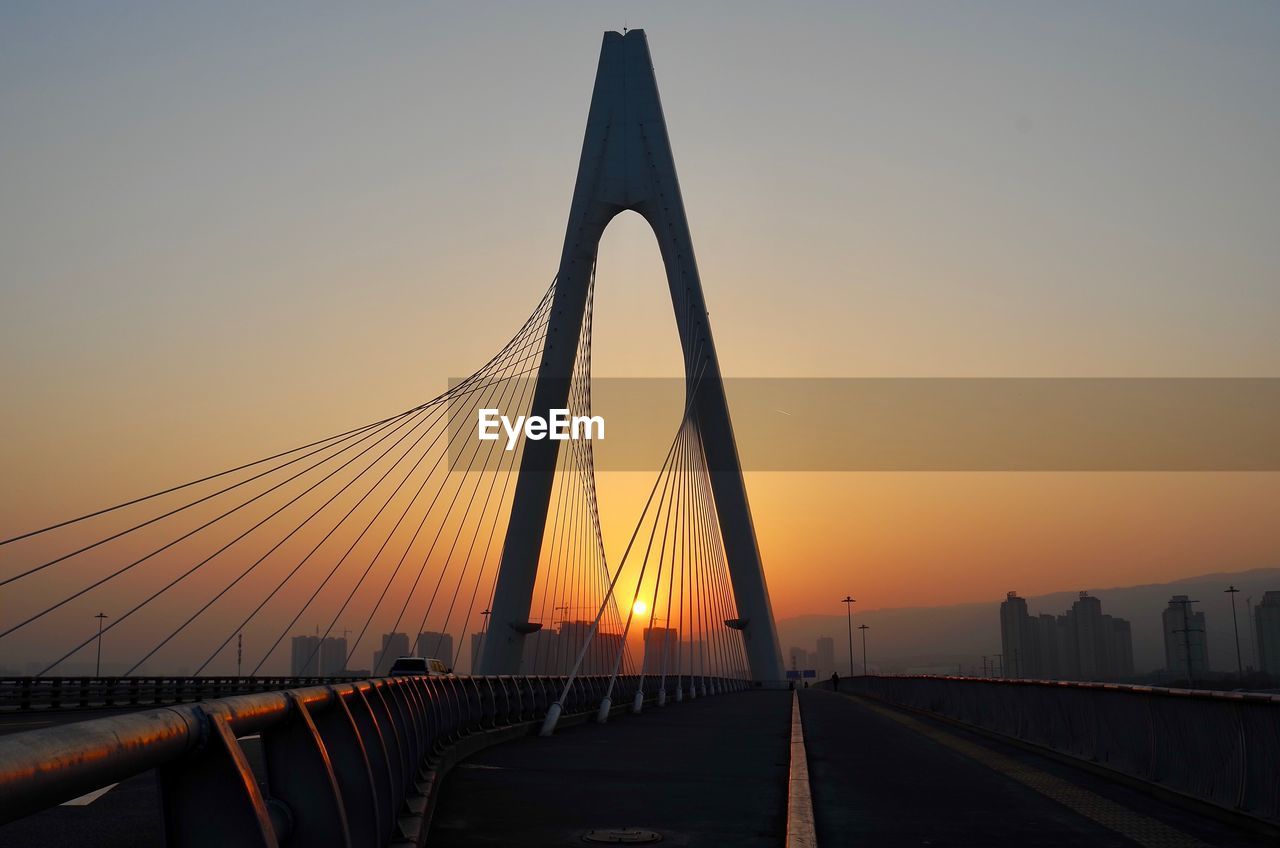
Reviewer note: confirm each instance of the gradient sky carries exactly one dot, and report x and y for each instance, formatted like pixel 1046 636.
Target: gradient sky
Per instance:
pixel 226 230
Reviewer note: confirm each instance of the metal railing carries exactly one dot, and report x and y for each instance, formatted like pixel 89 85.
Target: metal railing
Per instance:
pixel 344 762
pixel 1218 747
pixel 41 693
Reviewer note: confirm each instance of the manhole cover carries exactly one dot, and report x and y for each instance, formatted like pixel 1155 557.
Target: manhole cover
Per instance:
pixel 622 836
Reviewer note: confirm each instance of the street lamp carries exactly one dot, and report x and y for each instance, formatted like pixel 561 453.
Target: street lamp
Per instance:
pixel 97 671
pixel 1232 590
pixel 864 628
pixel 848 605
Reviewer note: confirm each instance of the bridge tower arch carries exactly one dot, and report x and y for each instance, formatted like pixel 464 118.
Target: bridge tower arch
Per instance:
pixel 627 164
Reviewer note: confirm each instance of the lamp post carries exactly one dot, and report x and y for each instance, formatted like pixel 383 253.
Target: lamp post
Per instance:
pixel 864 628
pixel 239 653
pixel 97 671
pixel 1232 590
pixel 848 605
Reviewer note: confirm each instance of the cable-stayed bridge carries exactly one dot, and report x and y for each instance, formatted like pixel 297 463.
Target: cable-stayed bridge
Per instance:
pixel 410 530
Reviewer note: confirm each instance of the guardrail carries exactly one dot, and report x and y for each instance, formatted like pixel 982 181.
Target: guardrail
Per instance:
pixel 1218 747
pixel 42 693
pixel 345 763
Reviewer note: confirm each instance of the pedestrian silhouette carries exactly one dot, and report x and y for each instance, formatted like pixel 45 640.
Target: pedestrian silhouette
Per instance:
pixel 835 681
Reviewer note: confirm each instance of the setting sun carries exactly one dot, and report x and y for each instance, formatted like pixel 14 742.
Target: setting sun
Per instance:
pixel 639 607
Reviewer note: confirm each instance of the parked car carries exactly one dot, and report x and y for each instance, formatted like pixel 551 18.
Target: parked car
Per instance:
pixel 418 666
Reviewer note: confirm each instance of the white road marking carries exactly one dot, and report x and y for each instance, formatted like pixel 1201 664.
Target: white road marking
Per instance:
pixel 86 800
pixel 800 832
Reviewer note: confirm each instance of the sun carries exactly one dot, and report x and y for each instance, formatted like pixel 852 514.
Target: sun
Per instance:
pixel 639 607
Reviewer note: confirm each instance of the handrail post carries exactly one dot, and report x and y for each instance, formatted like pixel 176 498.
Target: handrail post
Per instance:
pixel 217 777
pixel 300 773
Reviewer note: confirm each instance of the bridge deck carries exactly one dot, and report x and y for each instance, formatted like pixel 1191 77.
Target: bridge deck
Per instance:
pixel 885 777
pixel 715 772
pixel 708 772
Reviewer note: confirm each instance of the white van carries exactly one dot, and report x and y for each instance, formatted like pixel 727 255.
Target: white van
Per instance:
pixel 418 666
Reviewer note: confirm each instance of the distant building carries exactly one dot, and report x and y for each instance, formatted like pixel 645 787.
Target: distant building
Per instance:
pixel 1081 644
pixel 1122 639
pixel 1186 651
pixel 1017 636
pixel 604 651
pixel 542 654
pixel 660 647
pixel 437 645
pixel 477 644
pixel 1266 620
pixel 824 658
pixel 394 646
pixel 1048 662
pixel 555 651
pixel 305 657
pixel 573 636
pixel 333 656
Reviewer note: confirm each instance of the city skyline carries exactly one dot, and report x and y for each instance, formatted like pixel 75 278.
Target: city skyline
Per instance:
pixel 892 633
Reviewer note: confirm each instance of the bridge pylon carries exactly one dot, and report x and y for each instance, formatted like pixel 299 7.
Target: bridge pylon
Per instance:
pixel 627 164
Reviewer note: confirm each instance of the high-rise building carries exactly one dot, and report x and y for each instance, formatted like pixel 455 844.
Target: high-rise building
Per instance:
pixel 333 656
pixel 601 649
pixel 1122 639
pixel 542 653
pixel 1048 658
pixel 394 646
pixel 1090 633
pixel 437 645
pixel 825 656
pixel 660 647
pixel 1081 644
pixel 477 642
pixel 1186 651
pixel 602 655
pixel 1266 621
pixel 573 636
pixel 305 657
pixel 1016 635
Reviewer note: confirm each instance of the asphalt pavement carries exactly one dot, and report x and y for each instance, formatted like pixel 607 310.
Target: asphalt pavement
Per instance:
pixel 710 772
pixel 715 772
pixel 885 777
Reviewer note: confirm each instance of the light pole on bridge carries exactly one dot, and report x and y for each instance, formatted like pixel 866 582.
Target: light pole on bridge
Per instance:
pixel 864 628
pixel 1235 626
pixel 97 670
pixel 848 602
